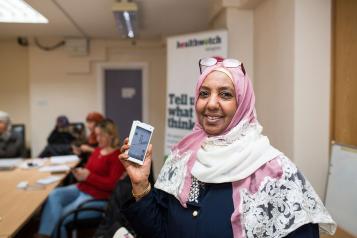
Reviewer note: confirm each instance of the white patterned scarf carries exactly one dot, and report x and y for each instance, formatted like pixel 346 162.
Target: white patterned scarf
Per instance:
pixel 232 158
pixel 235 156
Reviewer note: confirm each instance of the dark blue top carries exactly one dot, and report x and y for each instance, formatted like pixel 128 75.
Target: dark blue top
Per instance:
pixel 160 214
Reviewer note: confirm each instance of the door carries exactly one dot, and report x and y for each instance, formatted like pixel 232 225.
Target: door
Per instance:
pixel 123 98
pixel 344 95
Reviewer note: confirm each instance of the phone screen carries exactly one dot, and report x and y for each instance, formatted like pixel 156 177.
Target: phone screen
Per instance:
pixel 139 143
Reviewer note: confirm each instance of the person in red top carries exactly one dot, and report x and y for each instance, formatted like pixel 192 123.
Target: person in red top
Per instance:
pixel 96 180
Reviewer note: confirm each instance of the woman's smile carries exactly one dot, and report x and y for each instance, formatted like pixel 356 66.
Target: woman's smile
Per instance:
pixel 212 119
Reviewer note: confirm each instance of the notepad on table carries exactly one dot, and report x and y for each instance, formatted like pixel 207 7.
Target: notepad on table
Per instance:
pixel 55 168
pixel 8 164
pixel 48 180
pixel 64 159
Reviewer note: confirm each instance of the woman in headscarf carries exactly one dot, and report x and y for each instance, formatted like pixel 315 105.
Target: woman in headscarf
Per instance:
pixel 60 140
pixel 224 179
pixel 10 142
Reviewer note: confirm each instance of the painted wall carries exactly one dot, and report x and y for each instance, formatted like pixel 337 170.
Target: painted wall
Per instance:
pixel 274 69
pixel 240 37
pixel 292 53
pixel 40 85
pixel 239 24
pixel 312 89
pixel 14 83
pixel 61 84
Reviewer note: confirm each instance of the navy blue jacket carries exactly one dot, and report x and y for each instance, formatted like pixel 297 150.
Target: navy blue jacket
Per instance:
pixel 160 214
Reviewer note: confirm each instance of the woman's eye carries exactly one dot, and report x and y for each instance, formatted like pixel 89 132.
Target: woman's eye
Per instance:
pixel 203 94
pixel 226 95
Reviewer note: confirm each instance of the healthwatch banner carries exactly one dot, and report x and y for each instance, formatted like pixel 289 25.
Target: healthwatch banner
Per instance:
pixel 183 55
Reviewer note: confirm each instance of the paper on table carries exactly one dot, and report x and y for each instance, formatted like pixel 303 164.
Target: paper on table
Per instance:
pixel 49 180
pixel 55 168
pixel 9 163
pixel 32 163
pixel 64 159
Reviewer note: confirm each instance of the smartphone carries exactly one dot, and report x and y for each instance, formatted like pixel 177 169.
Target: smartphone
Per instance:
pixel 139 140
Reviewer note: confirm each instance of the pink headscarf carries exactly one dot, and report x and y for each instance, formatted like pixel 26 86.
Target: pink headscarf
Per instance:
pixel 246 110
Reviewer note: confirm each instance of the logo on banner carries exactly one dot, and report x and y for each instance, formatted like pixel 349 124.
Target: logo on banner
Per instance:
pixel 199 42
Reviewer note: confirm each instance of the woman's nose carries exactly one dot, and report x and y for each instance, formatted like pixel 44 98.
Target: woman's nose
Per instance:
pixel 212 102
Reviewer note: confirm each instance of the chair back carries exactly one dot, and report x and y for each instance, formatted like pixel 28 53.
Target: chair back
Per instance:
pixel 78 130
pixel 20 130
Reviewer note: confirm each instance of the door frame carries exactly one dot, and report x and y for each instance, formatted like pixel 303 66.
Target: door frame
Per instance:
pixel 102 67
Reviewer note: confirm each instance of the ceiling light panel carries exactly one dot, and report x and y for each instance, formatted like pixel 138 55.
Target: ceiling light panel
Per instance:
pixel 18 11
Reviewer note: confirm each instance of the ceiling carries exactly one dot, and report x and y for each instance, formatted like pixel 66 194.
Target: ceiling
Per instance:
pixel 94 19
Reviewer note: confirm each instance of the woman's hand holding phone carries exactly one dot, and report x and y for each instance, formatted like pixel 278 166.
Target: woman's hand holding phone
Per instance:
pixel 138 174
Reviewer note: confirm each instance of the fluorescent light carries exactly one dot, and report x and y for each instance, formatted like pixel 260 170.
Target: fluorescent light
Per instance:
pixel 128 24
pixel 18 11
pixel 131 34
pixel 125 14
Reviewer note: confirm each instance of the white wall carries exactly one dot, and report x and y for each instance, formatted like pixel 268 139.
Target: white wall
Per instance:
pixel 240 37
pixel 312 82
pixel 239 24
pixel 14 83
pixel 37 85
pixel 274 67
pixel 60 84
pixel 292 45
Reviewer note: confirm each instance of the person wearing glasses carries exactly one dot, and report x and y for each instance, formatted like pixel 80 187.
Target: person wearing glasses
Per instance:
pixel 224 179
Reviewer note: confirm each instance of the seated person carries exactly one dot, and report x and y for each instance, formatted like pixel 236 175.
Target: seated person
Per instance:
pixel 85 149
pixel 10 142
pixel 97 180
pixel 60 139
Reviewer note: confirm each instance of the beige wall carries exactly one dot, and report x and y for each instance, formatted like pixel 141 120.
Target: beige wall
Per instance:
pixel 292 53
pixel 312 82
pixel 240 37
pixel 274 69
pixel 14 82
pixel 40 85
pixel 239 24
pixel 61 84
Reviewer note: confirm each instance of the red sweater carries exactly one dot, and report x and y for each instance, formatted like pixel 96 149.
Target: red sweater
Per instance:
pixel 105 171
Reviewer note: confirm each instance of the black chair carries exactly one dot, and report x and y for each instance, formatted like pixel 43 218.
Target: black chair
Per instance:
pixel 20 130
pixel 109 217
pixel 87 215
pixel 114 218
pixel 78 130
